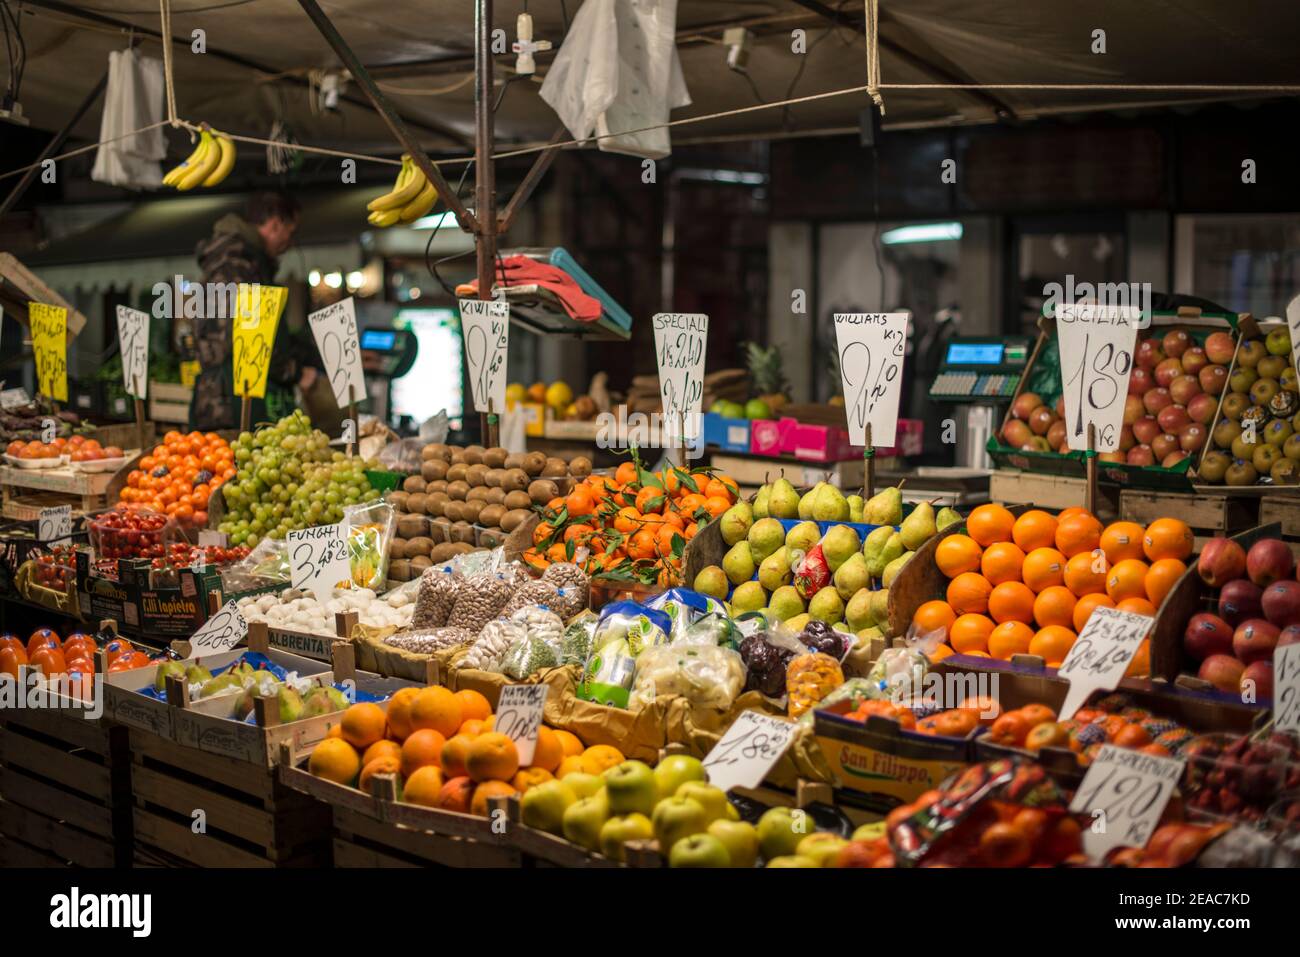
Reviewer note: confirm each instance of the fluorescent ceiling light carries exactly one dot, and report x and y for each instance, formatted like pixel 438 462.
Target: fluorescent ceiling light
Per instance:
pixel 334 280
pixel 926 233
pixel 313 277
pixel 437 221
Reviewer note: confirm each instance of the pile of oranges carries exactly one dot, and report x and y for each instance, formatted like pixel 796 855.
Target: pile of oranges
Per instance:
pixel 1027 585
pixel 634 524
pixel 178 476
pixel 441 747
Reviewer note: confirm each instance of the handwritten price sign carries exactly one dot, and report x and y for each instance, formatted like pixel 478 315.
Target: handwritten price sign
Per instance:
pixel 1096 347
pixel 318 559
pixel 1286 688
pixel 133 340
pixel 335 331
pixel 1123 794
pixel 257 314
pixel 54 524
pixel 221 632
pixel 519 716
pixel 1101 654
pixel 485 326
pixel 1293 323
pixel 49 326
pixel 872 346
pixel 748 751
pixel 680 341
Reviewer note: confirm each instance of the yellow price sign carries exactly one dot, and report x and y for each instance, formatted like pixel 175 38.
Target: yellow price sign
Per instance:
pixel 190 373
pixel 257 314
pixel 49 326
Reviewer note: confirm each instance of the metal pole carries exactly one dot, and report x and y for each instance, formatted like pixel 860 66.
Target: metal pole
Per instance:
pixel 485 204
pixel 53 146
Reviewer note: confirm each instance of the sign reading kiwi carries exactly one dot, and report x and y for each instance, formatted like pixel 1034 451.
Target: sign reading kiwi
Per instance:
pixel 485 328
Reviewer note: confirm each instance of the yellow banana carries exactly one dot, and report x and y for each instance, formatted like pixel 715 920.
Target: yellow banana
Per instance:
pixel 421 205
pixel 225 163
pixel 178 171
pixel 403 191
pixel 383 217
pixel 207 163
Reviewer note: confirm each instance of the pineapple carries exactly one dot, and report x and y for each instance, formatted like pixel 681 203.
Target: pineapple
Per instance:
pixel 766 375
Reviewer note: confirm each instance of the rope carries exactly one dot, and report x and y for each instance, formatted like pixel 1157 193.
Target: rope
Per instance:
pixel 467 79
pixel 258 141
pixel 873 54
pixel 80 150
pixel 166 25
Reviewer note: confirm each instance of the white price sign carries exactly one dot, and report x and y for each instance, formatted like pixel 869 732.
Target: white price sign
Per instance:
pixel 871 347
pixel 335 331
pixel 1123 795
pixel 14 399
pixel 1096 346
pixel 680 342
pixel 1286 688
pixel 519 716
pixel 485 327
pixel 1101 654
pixel 748 751
pixel 221 632
pixel 133 340
pixel 318 559
pixel 54 524
pixel 1293 323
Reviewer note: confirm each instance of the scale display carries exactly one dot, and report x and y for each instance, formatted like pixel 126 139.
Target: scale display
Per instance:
pixel 981 369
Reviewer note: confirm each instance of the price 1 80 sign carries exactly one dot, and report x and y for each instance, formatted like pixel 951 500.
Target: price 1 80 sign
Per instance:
pixel 1096 351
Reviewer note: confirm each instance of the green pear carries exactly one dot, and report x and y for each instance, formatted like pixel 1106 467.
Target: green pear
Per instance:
pixel 830 506
pixel 735 522
pixel 748 597
pixel 244 706
pixel 807 499
pixel 826 606
pixel 290 705
pixel 947 516
pixel 858 611
pixel 169 669
pixel 220 684
pixel 764 538
pixel 798 622
pixel 884 508
pixel 738 563
pixel 892 548
pixel 711 581
pixel 783 500
pixel 855 508
pixel 893 568
pixel 759 507
pixel 918 526
pixel 786 603
pixel 774 571
pixel 874 543
pixel 803 536
pixel 852 576
pixel 197 674
pixel 880 607
pixel 867 635
pixel 838 544
pixel 323 700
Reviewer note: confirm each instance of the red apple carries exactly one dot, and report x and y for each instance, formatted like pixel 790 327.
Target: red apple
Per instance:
pixel 1207 635
pixel 1172 418
pixel 1126 438
pixel 1191 437
pixel 1056 434
pixel 1184 388
pixel 1202 407
pixel 1219 347
pixel 1015 433
pixel 1133 409
pixel 1025 404
pixel 1140 455
pixel 1157 399
pixel 1268 560
pixel 1290 635
pixel 1164 445
pixel 1041 419
pixel 1221 561
pixel 1148 354
pixel 1117 457
pixel 1254 640
pixel 1146 429
pixel 1059 408
pixel 1257 678
pixel 1194 360
pixel 1222 671
pixel 1036 443
pixel 1168 371
pixel 1213 378
pixel 1176 342
pixel 1172 459
pixel 1239 600
pixel 1281 603
pixel 1139 380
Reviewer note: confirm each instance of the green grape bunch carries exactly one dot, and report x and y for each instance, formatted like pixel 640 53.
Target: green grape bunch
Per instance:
pixel 289 478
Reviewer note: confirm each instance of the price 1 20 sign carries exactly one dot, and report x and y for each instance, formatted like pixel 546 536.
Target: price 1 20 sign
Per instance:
pixel 1123 795
pixel 1096 346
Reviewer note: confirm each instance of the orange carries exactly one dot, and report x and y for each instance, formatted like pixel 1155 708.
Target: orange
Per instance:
pixel 1043 568
pixel 423 787
pixel 968 593
pixel 1065 513
pixel 1012 601
pixel 1122 540
pixel 335 731
pixel 1077 533
pixel 572 764
pixel 625 473
pixel 399 713
pixel 549 752
pixel 1034 529
pixel 1054 606
pixel 422 749
pixel 1001 562
pixel 530 777
pixel 363 724
pixel 934 615
pixel 1138 606
pixel 492 757
pixel 473 705
pixel 385 765
pixel 970 633
pixel 1161 577
pixel 716 505
pixel 1084 608
pixel 957 554
pixel 382 749
pixel 456 795
pixel 1085 573
pixel 489 789
pixel 600 758
pixel 989 524
pixel 454 754
pixel 1052 644
pixel 1140 666
pixel 647 495
pixel 1167 538
pixel 570 744
pixel 335 760
pixel 628 520
pixel 580 502
pixel 436 708
pixel 1127 579
pixel 1010 638
pixel 471 728
pixel 941 652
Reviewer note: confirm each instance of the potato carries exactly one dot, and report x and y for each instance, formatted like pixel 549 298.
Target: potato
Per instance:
pixel 495 458
pixel 418 564
pixel 555 468
pixel 413 526
pixel 458 490
pixel 433 470
pixel 533 463
pixel 399 570
pixel 580 466
pixel 418 503
pixel 476 475
pixel 419 546
pixel 490 516
pixel 456 473
pixel 514 480
pixel 514 518
pixel 413 484
pixel 542 491
pixel 517 499
pixel 492 477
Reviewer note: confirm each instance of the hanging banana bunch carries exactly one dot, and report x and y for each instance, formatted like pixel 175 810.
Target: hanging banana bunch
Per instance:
pixel 411 197
pixel 210 163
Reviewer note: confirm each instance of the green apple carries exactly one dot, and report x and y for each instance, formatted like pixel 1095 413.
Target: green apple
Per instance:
pixel 584 785
pixel 699 850
pixel 617 831
pixel 779 832
pixel 712 799
pixel 543 806
pixel 631 788
pixel 740 839
pixel 675 770
pixel 583 820
pixel 822 847
pixel 869 832
pixel 792 860
pixel 675 818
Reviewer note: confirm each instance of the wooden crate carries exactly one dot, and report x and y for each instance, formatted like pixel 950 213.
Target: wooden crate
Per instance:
pixel 64 789
pixel 1285 511
pixel 169 402
pixel 1050 492
pixel 1210 514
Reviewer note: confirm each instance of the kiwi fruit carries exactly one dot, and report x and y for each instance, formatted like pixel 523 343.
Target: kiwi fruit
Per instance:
pixel 515 460
pixel 514 518
pixel 492 478
pixel 418 503
pixel 458 490
pixel 453 510
pixel 437 503
pixel 399 570
pixel 413 483
pixel 438 486
pixel 444 552
pixel 419 546
pixel 517 499
pixel 469 511
pixel 419 564
pixel 440 528
pixel 429 452
pixel 457 456
pixel 397 548
pixel 492 537
pixel 495 496
pixel 397 499
pixel 490 516
pixel 437 450
pixel 555 468
pixel 412 526
pixel 456 473
pixel 542 491
pixel 478 494
pixel 580 466
pixel 462 532
pixel 474 454
pixel 514 480
pixel 433 470
pixel 476 475
pixel 534 462
pixel 495 457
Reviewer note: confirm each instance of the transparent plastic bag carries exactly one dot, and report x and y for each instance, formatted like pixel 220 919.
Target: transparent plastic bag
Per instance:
pixel 684 607
pixel 766 655
pixel 575 647
pixel 266 564
pixel 528 656
pixel 543 624
pixel 479 599
pixel 435 598
pixel 369 529
pixel 808 679
pixel 573 585
pixel 132 532
pixel 707 677
pixel 624 632
pixel 717 630
pixel 402 456
pixel 533 593
pixel 493 642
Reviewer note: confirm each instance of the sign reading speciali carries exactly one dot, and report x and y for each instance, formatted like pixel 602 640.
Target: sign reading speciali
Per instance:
pixel 485 327
pixel 335 331
pixel 872 346
pixel 680 342
pixel 1096 346
pixel 1123 794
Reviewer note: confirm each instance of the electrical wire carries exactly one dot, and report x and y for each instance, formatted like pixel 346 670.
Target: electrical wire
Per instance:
pixel 15 49
pixel 803 62
pixel 752 85
pixel 203 9
pixel 433 266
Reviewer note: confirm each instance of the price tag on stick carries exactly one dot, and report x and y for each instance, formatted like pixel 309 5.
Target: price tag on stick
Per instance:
pixel 318 559
pixel 1101 654
pixel 133 341
pixel 221 632
pixel 1286 688
pixel 49 327
pixel 1096 346
pixel 54 524
pixel 519 716
pixel 680 342
pixel 871 348
pixel 748 751
pixel 257 314
pixel 485 327
pixel 1123 794
pixel 335 331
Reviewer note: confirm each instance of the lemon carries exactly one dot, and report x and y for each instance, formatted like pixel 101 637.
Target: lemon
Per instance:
pixel 559 395
pixel 515 392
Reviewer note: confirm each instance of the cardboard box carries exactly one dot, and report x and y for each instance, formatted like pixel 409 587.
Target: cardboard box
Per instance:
pixel 123 592
pixel 731 435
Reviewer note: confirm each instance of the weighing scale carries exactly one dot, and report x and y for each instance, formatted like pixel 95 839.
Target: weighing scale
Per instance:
pixel 980 375
pixel 386 354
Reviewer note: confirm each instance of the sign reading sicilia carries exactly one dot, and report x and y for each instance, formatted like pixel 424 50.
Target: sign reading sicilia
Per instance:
pixel 257 314
pixel 49 326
